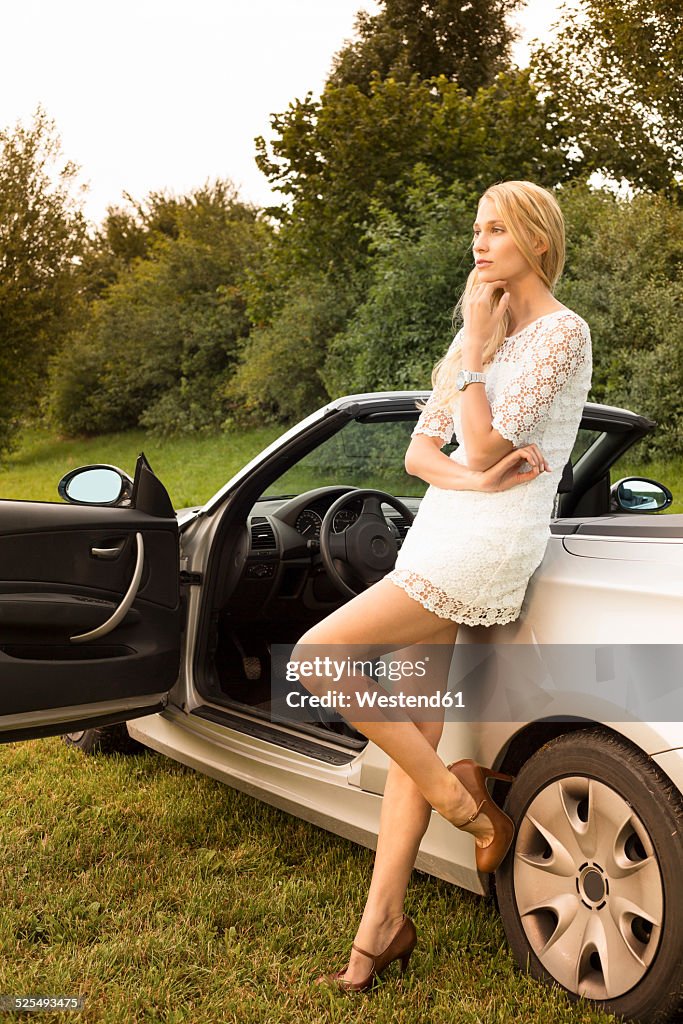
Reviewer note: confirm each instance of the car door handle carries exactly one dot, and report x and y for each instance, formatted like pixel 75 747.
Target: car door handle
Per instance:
pixel 107 552
pixel 128 598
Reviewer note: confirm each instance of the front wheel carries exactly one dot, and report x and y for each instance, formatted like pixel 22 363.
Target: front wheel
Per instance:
pixel 107 739
pixel 590 894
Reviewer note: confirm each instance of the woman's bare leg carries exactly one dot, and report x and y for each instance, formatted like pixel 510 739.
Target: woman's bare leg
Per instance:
pixel 385 616
pixel 417 779
pixel 404 819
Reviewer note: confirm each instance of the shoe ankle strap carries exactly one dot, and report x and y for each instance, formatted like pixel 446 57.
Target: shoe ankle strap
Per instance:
pixel 474 816
pixel 363 951
pixel 374 956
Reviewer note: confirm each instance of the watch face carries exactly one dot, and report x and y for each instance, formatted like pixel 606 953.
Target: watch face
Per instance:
pixel 460 380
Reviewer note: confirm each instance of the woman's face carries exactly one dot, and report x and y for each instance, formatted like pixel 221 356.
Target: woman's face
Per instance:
pixel 496 255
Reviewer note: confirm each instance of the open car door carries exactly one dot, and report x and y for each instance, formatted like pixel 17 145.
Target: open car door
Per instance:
pixel 89 610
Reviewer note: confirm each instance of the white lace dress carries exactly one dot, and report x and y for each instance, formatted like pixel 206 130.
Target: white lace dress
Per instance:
pixel 469 555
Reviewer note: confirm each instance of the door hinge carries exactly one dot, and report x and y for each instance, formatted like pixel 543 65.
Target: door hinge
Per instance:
pixel 190 579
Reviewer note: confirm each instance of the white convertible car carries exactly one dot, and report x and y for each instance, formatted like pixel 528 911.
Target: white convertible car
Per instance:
pixel 115 608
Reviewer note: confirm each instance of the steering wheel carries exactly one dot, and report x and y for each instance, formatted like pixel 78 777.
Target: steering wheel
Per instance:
pixel 368 547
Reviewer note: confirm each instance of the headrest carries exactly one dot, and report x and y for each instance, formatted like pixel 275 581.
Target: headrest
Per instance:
pixel 567 480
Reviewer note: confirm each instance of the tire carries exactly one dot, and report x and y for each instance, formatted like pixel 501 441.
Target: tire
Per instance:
pixel 107 739
pixel 580 797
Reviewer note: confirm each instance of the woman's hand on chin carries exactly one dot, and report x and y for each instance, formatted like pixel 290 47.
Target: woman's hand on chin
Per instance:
pixel 479 320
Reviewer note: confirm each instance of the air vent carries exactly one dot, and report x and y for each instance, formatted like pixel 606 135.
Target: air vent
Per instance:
pixel 402 525
pixel 262 536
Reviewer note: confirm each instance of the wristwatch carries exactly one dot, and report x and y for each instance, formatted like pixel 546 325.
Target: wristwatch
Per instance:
pixel 466 377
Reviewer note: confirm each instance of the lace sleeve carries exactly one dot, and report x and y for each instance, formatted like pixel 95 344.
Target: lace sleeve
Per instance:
pixel 551 358
pixel 436 419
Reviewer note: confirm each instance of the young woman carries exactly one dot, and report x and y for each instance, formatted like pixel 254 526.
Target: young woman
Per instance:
pixel 480 532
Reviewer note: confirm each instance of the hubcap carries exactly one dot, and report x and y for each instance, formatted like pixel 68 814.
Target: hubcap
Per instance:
pixel 76 736
pixel 588 887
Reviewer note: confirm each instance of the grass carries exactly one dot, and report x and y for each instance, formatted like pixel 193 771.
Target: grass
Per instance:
pixel 194 468
pixel 162 895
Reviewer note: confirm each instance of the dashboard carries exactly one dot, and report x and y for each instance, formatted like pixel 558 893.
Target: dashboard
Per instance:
pixel 296 520
pixel 309 520
pixel 274 569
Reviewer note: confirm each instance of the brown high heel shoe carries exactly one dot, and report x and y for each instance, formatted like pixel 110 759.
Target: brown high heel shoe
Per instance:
pixel 402 945
pixel 473 777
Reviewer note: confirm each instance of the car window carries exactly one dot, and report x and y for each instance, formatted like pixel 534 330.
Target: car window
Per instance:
pixel 584 439
pixel 360 455
pixel 634 463
pixel 371 455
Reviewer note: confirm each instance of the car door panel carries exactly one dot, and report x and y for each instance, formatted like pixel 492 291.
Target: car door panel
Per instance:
pixel 64 570
pixel 52 610
pixel 65 555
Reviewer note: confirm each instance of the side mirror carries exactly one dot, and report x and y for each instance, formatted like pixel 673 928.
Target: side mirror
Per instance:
pixel 638 494
pixel 96 485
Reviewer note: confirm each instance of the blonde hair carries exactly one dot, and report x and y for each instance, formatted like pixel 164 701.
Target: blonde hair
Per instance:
pixel 531 214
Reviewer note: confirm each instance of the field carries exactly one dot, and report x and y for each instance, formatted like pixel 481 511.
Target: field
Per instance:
pixel 162 895
pixel 194 468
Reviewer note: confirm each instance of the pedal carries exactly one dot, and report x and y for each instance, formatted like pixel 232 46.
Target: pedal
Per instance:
pixel 251 666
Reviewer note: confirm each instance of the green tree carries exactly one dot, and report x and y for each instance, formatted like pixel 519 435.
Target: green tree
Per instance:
pixel 624 275
pixel 126 234
pixel 340 156
pixel 42 233
pixel 466 43
pixel 613 68
pixel 165 335
pixel 278 379
pixel 425 86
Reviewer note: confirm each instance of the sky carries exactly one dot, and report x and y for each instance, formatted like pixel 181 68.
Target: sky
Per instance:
pixel 163 94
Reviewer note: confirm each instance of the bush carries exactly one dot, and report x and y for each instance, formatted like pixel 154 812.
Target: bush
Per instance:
pixel 623 277
pixel 419 268
pixel 165 335
pixel 279 377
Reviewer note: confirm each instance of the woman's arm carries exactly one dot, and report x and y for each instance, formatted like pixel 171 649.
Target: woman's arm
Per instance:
pixel 425 460
pixel 483 444
pixel 436 421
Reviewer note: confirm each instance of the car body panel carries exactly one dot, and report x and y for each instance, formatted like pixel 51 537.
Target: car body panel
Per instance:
pixel 301 786
pixel 671 763
pixel 609 591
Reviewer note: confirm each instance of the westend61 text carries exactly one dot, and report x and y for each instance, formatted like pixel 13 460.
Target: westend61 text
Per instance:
pixel 372 699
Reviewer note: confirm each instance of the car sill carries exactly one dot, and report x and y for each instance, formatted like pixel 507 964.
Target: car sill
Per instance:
pixel 271 734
